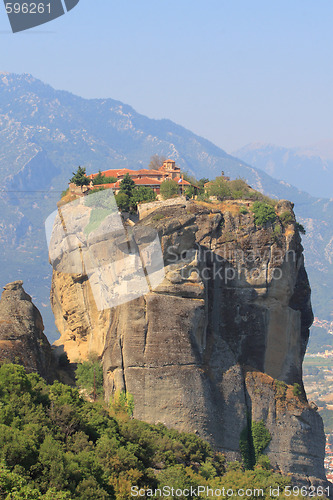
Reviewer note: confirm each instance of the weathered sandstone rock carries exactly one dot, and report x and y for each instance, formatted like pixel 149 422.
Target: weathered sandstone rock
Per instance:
pixel 22 339
pixel 234 296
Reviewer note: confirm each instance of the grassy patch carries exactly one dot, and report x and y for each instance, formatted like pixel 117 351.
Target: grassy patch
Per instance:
pixel 157 217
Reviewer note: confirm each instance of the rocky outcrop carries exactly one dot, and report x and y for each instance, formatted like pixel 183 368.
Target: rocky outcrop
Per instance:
pixel 22 339
pixel 201 351
pixel 297 431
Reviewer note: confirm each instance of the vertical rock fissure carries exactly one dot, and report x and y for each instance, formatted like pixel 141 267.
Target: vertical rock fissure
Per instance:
pixel 267 266
pixel 122 363
pixel 145 332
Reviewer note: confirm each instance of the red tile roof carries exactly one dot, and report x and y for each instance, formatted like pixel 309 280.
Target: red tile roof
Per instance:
pixel 148 177
pixel 122 171
pixel 146 181
pixel 109 173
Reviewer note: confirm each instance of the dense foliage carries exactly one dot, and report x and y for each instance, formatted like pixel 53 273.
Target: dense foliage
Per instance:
pixel 130 195
pixel 89 376
pixel 169 188
pixel 55 445
pixel 254 438
pixel 263 213
pixel 219 188
pixel 142 194
pixel 123 201
pixel 103 179
pixel 127 185
pixel 261 438
pixel 238 189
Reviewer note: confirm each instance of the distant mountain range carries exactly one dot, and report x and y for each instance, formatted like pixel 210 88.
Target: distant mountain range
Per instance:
pixel 45 134
pixel 305 168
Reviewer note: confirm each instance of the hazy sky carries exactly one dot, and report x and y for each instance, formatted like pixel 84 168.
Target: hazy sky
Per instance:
pixel 234 71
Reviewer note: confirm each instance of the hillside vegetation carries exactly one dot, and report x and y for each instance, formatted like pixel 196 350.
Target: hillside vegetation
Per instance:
pixel 55 445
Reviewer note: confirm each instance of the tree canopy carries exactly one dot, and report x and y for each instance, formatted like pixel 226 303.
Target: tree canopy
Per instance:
pixel 263 213
pixel 127 185
pixel 79 177
pixel 169 188
pixel 103 179
pixel 56 445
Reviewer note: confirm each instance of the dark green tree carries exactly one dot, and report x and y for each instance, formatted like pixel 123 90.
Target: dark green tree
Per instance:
pixel 99 179
pixel 142 194
pixel 103 179
pixel 261 437
pixel 127 185
pixel 79 177
pixel 189 178
pixel 123 201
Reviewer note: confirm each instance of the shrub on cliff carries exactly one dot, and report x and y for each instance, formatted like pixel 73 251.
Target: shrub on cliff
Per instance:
pixel 286 218
pixel 297 390
pixel 281 389
pixel 263 213
pixel 254 438
pixel 261 437
pixel 122 404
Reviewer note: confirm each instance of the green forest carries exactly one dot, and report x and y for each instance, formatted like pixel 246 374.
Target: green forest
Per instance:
pixel 56 445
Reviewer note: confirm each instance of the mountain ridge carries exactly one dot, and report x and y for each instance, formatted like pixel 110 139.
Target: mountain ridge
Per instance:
pixel 312 172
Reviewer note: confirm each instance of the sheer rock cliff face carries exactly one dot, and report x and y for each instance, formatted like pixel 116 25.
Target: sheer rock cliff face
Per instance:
pixel 201 351
pixel 22 338
pixel 83 328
